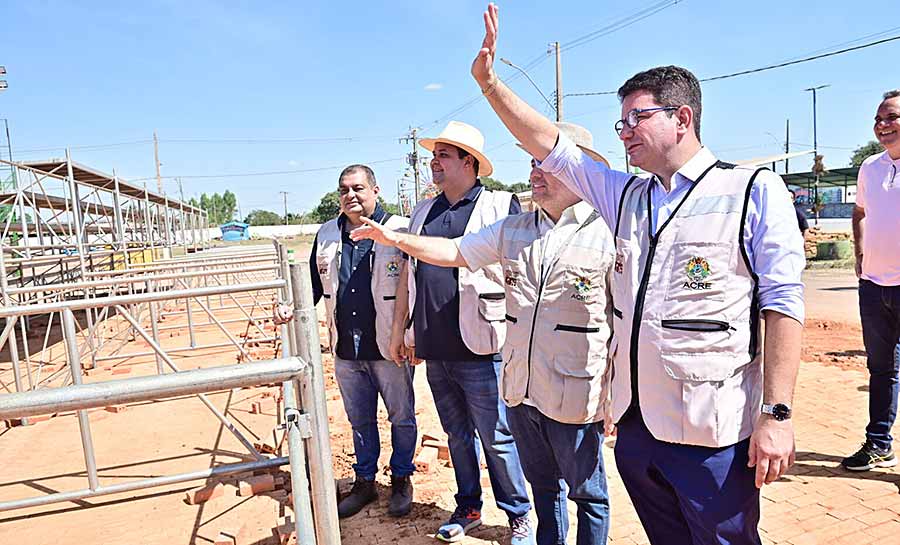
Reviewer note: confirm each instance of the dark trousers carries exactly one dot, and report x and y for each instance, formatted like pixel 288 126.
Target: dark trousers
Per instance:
pixel 563 460
pixel 469 407
pixel 687 494
pixel 879 311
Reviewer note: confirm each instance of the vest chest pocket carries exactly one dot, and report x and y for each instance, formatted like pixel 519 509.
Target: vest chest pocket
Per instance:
pixel 700 272
pixel 582 286
pixel 386 270
pixel 492 306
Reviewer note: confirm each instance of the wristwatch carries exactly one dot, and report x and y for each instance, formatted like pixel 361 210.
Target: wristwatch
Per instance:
pixel 779 411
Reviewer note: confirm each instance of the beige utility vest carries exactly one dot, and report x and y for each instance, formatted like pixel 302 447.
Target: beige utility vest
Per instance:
pixel 558 317
pixel 482 307
pixel 386 262
pixel 686 313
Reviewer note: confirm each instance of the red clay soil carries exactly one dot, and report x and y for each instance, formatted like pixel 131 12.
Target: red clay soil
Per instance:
pixel 833 343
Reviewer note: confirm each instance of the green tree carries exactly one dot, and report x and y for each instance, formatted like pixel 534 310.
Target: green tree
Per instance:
pixel 329 207
pixel 861 153
pixel 519 187
pixel 263 217
pixel 229 204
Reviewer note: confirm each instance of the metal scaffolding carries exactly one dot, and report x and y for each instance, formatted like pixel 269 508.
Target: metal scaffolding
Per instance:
pixel 115 300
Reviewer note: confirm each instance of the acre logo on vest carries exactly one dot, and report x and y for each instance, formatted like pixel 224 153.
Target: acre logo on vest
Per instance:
pixel 393 269
pixel 582 285
pixel 697 271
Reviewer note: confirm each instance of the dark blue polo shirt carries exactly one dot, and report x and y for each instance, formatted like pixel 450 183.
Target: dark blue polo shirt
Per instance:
pixel 355 306
pixel 436 313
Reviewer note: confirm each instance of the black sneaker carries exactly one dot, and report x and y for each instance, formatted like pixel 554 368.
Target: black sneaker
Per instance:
pixel 401 496
pixel 869 457
pixel 362 494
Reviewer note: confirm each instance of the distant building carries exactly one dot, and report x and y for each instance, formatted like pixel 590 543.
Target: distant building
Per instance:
pixel 235 230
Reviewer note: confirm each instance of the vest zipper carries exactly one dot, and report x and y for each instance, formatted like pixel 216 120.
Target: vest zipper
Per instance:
pixel 636 321
pixel 537 305
pixel 688 324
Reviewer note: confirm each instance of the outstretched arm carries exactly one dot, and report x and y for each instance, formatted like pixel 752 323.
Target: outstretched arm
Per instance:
pixel 439 251
pixel 532 129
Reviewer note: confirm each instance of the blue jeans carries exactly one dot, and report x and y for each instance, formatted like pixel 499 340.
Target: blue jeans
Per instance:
pixel 686 494
pixel 557 457
pixel 360 383
pixel 467 400
pixel 879 311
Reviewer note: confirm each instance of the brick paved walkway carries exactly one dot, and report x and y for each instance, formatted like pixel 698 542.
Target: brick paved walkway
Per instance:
pixel 815 503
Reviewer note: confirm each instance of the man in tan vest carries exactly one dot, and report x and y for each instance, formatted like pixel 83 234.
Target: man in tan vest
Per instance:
pixel 453 319
pixel 704 251
pixel 358 281
pixel 555 264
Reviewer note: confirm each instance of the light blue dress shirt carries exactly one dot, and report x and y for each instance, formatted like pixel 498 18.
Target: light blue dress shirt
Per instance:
pixel 773 242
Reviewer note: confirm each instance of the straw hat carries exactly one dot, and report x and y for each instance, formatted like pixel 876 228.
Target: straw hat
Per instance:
pixel 466 137
pixel 581 137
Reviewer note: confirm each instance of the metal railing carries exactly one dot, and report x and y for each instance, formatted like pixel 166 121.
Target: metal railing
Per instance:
pixel 299 371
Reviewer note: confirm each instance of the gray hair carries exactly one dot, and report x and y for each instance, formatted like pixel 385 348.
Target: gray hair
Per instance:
pixel 893 93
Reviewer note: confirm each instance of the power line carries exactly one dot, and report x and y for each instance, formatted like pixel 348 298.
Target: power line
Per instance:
pixel 265 173
pixel 626 21
pixel 328 140
pixel 769 67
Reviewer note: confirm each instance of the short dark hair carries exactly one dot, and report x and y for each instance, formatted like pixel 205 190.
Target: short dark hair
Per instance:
pixel 792 192
pixel 352 169
pixel 463 154
pixel 670 86
pixel 893 93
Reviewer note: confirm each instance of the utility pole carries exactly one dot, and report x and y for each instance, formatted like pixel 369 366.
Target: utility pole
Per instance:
pixel 285 194
pixel 413 157
pixel 159 187
pixel 816 147
pixel 559 95
pixel 787 143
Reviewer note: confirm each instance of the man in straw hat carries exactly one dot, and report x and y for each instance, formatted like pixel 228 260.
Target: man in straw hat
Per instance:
pixel 704 249
pixel 455 319
pixel 555 264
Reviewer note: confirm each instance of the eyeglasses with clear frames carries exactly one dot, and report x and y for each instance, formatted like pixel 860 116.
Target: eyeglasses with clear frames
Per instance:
pixel 633 119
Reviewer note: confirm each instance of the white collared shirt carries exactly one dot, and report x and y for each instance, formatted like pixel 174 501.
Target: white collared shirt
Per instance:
pixel 774 244
pixel 878 193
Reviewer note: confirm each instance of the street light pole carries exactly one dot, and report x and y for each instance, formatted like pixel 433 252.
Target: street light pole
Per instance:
pixel 524 73
pixel 816 148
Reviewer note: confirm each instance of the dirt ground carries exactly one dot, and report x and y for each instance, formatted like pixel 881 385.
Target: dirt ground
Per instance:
pixel 158 438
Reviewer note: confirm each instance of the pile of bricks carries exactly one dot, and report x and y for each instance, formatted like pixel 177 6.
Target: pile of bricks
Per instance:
pixel 275 485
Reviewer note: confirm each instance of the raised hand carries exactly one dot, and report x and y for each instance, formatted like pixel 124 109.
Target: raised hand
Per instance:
pixel 375 231
pixel 483 65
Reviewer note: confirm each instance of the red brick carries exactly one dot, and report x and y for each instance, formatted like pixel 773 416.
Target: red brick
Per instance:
pixel 427 460
pixel 256 485
pixel 443 448
pixel 204 494
pixel 116 408
pixel 121 371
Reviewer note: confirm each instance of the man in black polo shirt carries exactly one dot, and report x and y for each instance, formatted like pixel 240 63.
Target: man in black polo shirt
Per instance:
pixel 358 281
pixel 458 325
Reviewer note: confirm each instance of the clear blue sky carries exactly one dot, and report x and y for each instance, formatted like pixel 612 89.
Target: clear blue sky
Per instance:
pixel 319 85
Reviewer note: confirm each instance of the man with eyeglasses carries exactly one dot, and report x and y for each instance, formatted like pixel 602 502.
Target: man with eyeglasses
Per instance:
pixel 876 222
pixel 703 250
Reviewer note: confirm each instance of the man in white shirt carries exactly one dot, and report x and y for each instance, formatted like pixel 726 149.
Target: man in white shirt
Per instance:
pixel 556 262
pixel 876 222
pixel 704 249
